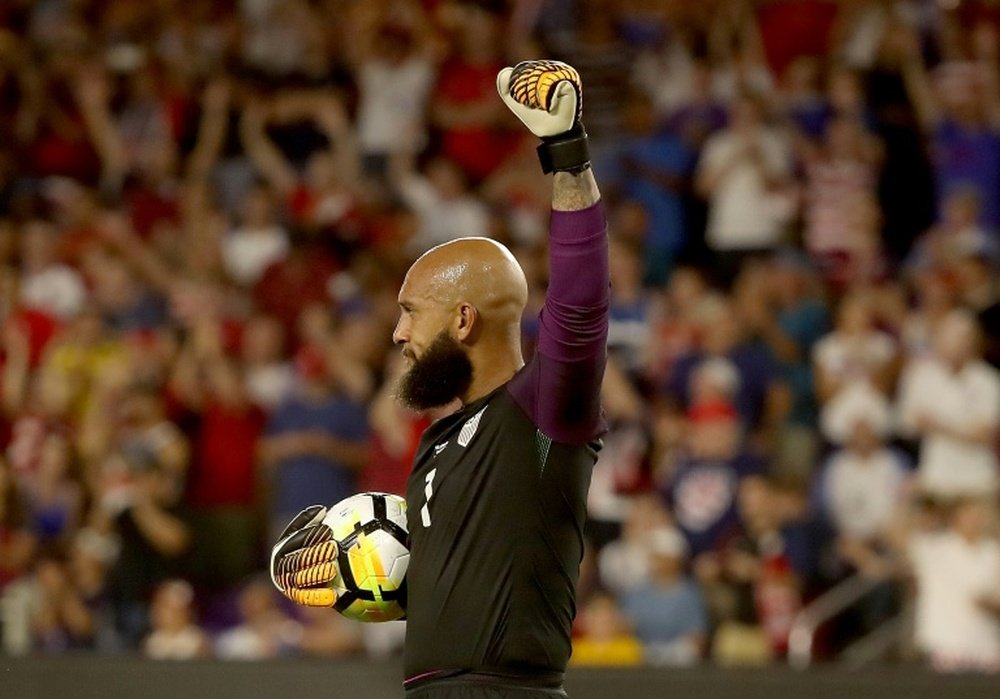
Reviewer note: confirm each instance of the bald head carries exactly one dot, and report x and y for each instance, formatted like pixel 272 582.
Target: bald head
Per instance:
pixel 477 271
pixel 460 322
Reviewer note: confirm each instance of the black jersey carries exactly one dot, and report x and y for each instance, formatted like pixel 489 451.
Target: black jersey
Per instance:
pixel 497 496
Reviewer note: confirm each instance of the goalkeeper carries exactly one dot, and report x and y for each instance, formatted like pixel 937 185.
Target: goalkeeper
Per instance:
pixel 497 497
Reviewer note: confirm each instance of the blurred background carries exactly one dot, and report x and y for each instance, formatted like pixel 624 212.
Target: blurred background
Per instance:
pixel 207 206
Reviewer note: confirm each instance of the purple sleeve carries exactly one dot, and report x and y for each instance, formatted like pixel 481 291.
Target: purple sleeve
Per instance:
pixel 560 387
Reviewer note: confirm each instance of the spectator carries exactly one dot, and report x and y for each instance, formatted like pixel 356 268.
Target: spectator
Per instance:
pixel 703 490
pixel 652 168
pixel 950 402
pixel 605 641
pixel 302 278
pixel 957 605
pixel 760 398
pixel 47 285
pixel 395 59
pixel 441 199
pixel 473 129
pixel 624 563
pixel 323 200
pixel 856 352
pixel 138 501
pixel 666 611
pixel 960 112
pixel 702 112
pixel 265 631
pixel 80 358
pixel 755 580
pixel 268 375
pixel 90 555
pixel 839 173
pixel 315 442
pixel 863 480
pixel 124 301
pixel 743 173
pixel 259 241
pixel 674 328
pixel 174 635
pixel 54 497
pixel 784 309
pixel 935 297
pixel 223 492
pixel 61 620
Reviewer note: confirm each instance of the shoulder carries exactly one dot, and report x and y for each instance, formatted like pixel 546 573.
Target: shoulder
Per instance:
pixel 981 372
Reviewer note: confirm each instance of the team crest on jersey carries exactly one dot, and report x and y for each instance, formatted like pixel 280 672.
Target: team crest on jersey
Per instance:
pixel 469 429
pixel 703 496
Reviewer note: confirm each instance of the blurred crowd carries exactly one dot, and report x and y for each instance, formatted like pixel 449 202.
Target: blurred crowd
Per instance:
pixel 207 206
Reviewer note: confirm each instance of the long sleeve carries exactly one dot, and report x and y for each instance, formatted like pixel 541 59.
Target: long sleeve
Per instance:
pixel 560 388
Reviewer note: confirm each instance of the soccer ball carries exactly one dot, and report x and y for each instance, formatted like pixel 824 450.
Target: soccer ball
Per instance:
pixel 374 551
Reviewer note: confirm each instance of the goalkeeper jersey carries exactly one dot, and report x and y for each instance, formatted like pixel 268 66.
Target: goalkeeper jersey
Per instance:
pixel 496 500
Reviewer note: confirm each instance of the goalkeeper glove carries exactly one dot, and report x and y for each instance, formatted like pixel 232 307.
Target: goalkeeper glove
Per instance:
pixel 304 561
pixel 547 97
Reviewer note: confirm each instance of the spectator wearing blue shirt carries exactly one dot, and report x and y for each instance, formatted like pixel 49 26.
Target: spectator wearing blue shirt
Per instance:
pixel 652 167
pixel 761 398
pixel 958 111
pixel 316 441
pixel 666 611
pixel 704 488
pixel 780 304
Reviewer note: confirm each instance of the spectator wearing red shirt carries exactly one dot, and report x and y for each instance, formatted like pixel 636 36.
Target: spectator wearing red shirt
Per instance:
pixel 222 489
pixel 465 108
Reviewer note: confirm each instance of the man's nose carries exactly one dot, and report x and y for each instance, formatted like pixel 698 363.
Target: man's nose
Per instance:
pixel 401 333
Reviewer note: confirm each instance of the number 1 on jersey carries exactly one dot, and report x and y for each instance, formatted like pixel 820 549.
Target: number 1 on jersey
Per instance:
pixel 425 513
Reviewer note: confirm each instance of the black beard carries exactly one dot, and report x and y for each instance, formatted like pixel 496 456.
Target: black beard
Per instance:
pixel 441 375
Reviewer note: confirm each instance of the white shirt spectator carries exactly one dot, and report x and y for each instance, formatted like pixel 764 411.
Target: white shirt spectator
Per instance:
pixel 952 575
pixel 743 214
pixel 56 289
pixel 392 104
pixel 860 492
pixel 950 466
pixel 246 253
pixel 442 219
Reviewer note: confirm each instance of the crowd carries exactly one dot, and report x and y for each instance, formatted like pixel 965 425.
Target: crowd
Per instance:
pixel 206 208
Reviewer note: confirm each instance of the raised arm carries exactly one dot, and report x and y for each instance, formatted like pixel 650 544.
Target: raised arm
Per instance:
pixel 267 159
pixel 215 104
pixel 560 388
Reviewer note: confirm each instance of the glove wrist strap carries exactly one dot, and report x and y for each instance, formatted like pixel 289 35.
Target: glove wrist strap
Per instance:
pixel 566 152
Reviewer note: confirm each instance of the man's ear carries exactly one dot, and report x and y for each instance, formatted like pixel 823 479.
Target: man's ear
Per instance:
pixel 466 322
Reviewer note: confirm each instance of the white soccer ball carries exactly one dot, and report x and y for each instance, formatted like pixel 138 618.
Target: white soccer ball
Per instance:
pixel 373 542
